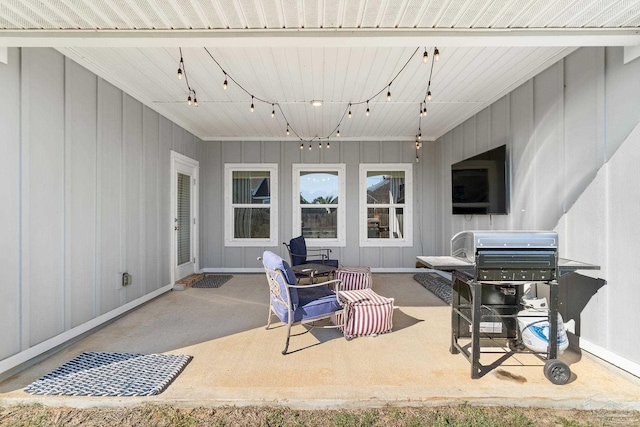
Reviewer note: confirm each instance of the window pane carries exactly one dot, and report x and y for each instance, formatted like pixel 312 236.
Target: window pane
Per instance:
pixel 184 218
pixel 251 187
pixel 385 187
pixel 318 188
pixel 385 223
pixel 251 223
pixel 320 223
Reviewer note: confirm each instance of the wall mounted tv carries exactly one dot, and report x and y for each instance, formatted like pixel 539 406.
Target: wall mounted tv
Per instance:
pixel 479 184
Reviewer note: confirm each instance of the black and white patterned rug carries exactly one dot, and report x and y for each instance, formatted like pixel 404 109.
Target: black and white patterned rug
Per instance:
pixel 436 284
pixel 212 281
pixel 112 374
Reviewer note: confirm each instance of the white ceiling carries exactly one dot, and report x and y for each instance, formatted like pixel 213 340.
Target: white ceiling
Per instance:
pixel 289 52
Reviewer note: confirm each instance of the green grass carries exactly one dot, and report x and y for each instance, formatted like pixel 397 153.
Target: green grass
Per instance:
pixel 464 415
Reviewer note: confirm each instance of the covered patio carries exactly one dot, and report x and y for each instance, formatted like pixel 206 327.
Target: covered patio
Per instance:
pixel 237 362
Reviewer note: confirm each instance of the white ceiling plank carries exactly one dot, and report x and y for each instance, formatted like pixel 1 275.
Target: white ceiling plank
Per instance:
pixel 26 15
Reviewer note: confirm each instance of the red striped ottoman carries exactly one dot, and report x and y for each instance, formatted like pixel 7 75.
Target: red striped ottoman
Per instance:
pixel 367 313
pixel 354 278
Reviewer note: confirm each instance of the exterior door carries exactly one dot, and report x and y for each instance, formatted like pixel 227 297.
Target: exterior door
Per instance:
pixel 184 202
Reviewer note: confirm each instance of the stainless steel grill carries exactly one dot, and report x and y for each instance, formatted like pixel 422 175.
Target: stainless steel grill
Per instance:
pixel 490 269
pixel 508 256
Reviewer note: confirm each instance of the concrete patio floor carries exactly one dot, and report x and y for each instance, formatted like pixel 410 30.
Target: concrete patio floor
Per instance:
pixel 237 362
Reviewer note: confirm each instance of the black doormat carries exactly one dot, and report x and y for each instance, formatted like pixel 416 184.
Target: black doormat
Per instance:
pixel 111 374
pixel 212 281
pixel 436 284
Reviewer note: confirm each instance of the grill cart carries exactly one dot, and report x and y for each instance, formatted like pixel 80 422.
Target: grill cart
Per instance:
pixel 491 271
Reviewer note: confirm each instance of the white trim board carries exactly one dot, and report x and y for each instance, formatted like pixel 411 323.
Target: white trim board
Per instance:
pixel 610 357
pixel 39 349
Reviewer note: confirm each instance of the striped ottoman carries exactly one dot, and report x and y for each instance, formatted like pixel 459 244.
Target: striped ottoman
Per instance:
pixel 354 278
pixel 367 313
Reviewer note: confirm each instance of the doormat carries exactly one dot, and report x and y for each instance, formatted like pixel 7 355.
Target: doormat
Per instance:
pixel 112 374
pixel 436 284
pixel 212 281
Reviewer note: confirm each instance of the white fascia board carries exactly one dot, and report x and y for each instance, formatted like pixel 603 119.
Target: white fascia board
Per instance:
pixel 323 38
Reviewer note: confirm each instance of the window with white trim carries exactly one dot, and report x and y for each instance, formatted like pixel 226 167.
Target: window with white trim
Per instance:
pixel 319 203
pixel 251 204
pixel 386 204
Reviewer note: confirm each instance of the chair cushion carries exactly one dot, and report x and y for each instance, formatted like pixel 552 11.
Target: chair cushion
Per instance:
pixel 275 262
pixel 314 302
pixel 299 247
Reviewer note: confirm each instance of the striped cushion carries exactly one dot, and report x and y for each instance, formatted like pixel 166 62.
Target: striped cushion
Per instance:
pixel 354 278
pixel 367 313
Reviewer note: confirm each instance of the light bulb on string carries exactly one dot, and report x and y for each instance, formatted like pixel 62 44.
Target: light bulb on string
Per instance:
pixel 301 145
pixel 180 68
pixel 417 158
pixel 337 133
pixel 328 145
pixel 367 113
pixel 429 96
pixel 309 146
pixel 389 93
pixel 273 110
pixel 319 144
pixel 195 100
pixel 349 110
pixel 189 99
pixel 425 56
pixel 287 129
pixel 436 54
pixel 421 109
pixel 419 135
pixel 252 108
pixel 225 83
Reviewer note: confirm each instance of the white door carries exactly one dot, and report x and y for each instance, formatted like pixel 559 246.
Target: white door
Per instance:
pixel 184 208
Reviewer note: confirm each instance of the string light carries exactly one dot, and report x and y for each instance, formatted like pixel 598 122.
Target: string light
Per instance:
pixel 423 109
pixel 329 144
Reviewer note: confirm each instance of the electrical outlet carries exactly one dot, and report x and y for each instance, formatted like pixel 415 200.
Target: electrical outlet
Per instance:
pixel 126 279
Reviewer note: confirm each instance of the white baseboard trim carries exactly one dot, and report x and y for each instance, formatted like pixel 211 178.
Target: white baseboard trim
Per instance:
pixel 610 357
pixel 38 349
pixel 261 270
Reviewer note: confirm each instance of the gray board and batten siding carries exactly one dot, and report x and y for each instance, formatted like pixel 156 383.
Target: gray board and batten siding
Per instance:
pixel 86 196
pixel 573 138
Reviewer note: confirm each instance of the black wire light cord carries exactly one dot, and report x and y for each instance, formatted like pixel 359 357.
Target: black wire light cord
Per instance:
pixel 182 71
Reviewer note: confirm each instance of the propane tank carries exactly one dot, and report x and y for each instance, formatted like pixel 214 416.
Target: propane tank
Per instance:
pixel 533 323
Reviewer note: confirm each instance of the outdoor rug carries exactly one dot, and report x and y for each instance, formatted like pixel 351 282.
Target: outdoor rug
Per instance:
pixel 436 284
pixel 112 374
pixel 212 281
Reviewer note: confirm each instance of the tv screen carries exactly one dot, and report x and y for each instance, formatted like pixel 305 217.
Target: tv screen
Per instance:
pixel 479 184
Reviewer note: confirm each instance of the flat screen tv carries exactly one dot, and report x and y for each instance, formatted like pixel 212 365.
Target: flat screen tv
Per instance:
pixel 479 184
